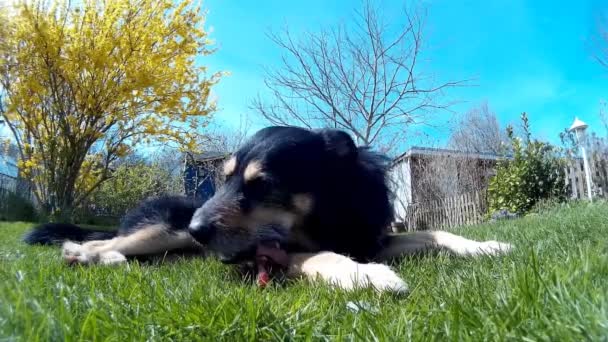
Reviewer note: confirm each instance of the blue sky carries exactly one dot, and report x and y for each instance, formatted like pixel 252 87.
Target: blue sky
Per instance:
pixel 523 55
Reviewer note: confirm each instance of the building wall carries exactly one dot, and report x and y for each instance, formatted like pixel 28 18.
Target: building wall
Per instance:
pixel 401 181
pixel 419 179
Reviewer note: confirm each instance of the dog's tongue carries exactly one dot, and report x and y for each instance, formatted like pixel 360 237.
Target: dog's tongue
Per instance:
pixel 266 257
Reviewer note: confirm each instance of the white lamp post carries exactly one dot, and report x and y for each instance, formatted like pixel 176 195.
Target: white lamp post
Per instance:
pixel 579 127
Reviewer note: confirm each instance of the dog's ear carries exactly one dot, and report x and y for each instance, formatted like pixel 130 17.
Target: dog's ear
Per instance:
pixel 339 144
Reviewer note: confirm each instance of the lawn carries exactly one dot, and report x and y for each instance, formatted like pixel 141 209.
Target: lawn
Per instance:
pixel 554 286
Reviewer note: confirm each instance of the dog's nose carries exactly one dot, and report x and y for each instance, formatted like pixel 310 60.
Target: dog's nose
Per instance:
pixel 201 228
pixel 202 233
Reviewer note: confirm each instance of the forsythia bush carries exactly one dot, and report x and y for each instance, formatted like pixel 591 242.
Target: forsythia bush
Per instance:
pixel 534 173
pixel 83 83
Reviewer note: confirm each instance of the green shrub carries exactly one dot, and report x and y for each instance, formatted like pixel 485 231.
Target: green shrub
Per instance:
pixel 130 184
pixel 535 172
pixel 17 208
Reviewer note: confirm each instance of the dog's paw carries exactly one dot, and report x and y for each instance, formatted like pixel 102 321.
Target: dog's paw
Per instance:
pixel 342 272
pixel 380 277
pixel 494 248
pixel 112 258
pixel 74 253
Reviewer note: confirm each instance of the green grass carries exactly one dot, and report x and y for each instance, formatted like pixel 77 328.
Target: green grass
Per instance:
pixel 554 286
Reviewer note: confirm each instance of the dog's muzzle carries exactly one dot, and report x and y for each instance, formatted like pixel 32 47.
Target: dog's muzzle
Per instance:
pixel 202 227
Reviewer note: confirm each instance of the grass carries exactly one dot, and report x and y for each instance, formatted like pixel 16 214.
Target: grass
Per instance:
pixel 554 286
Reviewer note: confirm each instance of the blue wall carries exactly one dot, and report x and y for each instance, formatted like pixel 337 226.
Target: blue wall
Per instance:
pixel 194 174
pixel 8 166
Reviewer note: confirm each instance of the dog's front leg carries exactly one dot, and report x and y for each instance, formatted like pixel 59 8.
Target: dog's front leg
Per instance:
pixel 341 271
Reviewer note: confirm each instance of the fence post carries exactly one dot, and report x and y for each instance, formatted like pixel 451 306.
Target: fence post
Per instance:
pixel 475 202
pixel 600 176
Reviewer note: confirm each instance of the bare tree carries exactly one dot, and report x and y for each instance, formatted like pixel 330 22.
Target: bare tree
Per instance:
pixel 604 115
pixel 475 133
pixel 478 131
pixel 228 140
pixel 451 175
pixel 463 167
pixel 602 49
pixel 365 79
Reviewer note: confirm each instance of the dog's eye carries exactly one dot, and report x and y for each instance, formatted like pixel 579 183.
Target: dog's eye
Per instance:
pixel 257 187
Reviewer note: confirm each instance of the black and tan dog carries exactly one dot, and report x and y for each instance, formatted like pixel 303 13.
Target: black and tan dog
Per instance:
pixel 309 200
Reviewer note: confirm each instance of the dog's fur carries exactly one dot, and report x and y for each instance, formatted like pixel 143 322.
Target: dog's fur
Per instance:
pixel 325 201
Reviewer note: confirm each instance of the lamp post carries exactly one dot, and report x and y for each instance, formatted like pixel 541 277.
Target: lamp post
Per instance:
pixel 579 127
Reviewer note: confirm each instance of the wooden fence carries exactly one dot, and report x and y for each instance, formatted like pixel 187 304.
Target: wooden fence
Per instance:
pixel 465 209
pixel 575 177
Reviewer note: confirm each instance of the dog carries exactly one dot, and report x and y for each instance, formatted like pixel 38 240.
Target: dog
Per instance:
pixel 308 200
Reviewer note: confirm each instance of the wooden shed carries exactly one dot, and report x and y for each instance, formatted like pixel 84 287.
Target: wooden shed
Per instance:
pixel 202 173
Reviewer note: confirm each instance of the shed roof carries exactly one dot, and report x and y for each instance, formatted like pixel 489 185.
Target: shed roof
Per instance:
pixel 430 151
pixel 207 156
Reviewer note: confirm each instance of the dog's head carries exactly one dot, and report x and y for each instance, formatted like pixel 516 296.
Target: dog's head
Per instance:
pixel 271 186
